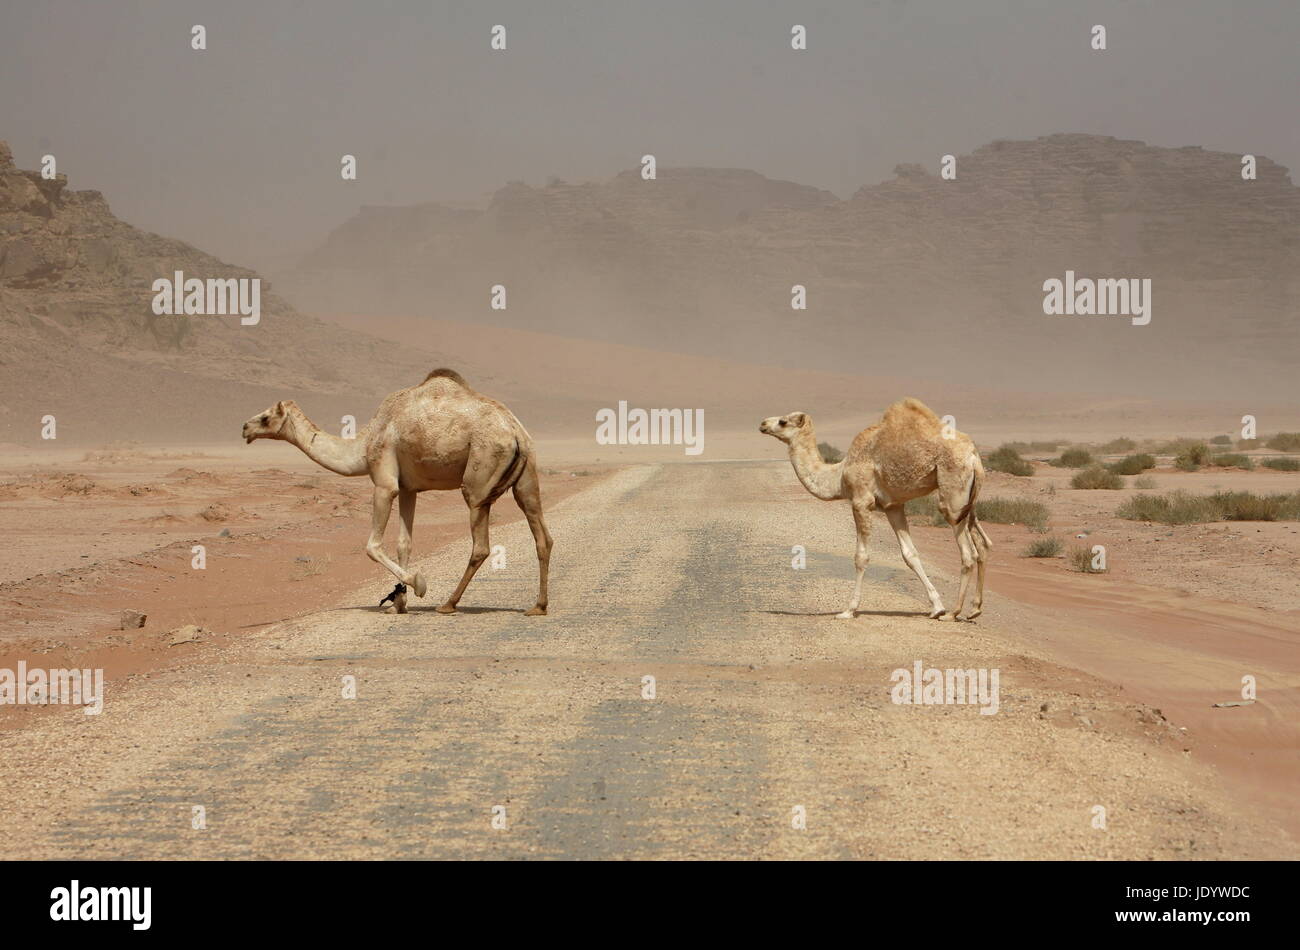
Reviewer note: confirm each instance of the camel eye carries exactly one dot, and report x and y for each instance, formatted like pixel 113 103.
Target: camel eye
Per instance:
pixel 782 422
pixel 265 419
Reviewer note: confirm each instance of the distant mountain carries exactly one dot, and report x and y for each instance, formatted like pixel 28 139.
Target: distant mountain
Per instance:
pixel 79 338
pixel 943 277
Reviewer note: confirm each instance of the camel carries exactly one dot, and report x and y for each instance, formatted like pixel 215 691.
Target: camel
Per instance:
pixel 904 456
pixel 436 436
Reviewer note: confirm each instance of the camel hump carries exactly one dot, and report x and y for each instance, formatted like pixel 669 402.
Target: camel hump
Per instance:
pixel 910 405
pixel 443 373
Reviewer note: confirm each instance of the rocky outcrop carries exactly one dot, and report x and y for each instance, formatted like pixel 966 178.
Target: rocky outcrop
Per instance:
pixel 78 332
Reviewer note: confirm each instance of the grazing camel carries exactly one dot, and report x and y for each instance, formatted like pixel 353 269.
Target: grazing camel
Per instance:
pixel 903 456
pixel 438 435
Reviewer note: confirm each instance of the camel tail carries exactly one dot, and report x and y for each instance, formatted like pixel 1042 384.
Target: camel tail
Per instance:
pixel 976 482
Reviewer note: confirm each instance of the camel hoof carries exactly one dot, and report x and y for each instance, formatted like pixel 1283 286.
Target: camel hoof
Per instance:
pixel 938 613
pixel 974 613
pixel 846 615
pixel 420 585
pixel 535 612
pixel 446 608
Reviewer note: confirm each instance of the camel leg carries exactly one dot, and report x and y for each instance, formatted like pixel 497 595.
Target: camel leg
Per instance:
pixel 529 496
pixel 478 526
pixel 898 521
pixel 966 545
pixel 383 506
pixel 861 556
pixel 406 509
pixel 981 556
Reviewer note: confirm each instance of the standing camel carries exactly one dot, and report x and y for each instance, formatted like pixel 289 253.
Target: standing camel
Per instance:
pixel 437 436
pixel 903 456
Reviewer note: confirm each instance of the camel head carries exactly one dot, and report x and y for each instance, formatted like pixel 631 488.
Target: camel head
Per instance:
pixel 784 427
pixel 268 423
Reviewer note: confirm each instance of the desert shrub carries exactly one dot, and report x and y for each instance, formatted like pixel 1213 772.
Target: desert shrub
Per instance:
pixel 1178 507
pixel 1043 547
pixel 1233 460
pixel 1249 445
pixel 1182 507
pixel 1192 457
pixel 1221 440
pixel 1115 446
pixel 924 510
pixel 1081 560
pixel 1094 476
pixel 1282 464
pixel 1012 511
pixel 1285 442
pixel 1036 447
pixel 1133 464
pixel 1021 511
pixel 1006 459
pixel 1247 506
pixel 1176 447
pixel 1144 481
pixel 830 454
pixel 1074 458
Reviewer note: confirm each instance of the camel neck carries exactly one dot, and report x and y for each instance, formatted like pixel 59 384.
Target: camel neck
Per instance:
pixel 342 456
pixel 823 480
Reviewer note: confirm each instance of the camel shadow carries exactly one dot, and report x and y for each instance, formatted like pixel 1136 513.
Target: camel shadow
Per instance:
pixel 861 613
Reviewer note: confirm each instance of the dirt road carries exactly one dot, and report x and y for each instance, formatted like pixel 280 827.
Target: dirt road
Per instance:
pixel 764 707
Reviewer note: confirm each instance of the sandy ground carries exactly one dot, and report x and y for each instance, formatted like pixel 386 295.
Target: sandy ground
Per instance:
pixel 763 702
pixel 91 535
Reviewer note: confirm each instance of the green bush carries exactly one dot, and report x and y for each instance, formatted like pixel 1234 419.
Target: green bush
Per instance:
pixel 1081 560
pixel 1176 447
pixel 1040 448
pixel 1012 511
pixel 1032 514
pixel 1094 476
pixel 1074 458
pixel 1285 442
pixel 1233 460
pixel 1192 457
pixel 1181 507
pixel 1221 440
pixel 1115 446
pixel 1282 464
pixel 1043 547
pixel 925 509
pixel 1133 464
pixel 1007 459
pixel 1247 506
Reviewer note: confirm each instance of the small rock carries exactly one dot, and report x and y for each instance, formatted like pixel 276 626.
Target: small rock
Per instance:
pixel 223 533
pixel 131 620
pixel 186 634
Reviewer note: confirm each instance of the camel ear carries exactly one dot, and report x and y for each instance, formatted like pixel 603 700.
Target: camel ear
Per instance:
pixel 279 406
pixel 798 419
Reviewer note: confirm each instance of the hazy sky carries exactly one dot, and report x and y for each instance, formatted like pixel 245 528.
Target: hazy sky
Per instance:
pixel 236 149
